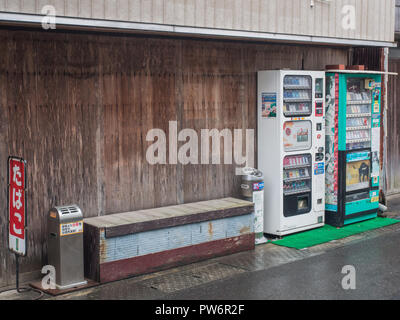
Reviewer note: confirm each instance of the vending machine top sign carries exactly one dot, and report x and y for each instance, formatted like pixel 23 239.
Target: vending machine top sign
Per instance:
pixel 17 205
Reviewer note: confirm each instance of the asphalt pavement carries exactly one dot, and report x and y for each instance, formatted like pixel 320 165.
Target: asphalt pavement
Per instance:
pixel 377 276
pixel 269 272
pixel 274 272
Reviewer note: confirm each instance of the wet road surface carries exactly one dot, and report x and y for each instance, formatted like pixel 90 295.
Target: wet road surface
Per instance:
pixel 376 261
pixel 268 272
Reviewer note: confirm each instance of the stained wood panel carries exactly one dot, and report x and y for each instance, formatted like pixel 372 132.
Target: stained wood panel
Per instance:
pixel 393 130
pixel 78 108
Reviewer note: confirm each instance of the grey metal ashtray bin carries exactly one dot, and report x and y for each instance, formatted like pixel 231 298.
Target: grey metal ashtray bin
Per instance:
pixel 251 180
pixel 65 246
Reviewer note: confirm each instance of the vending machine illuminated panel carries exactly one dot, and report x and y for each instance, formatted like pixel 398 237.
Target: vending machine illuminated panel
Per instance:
pixel 297 96
pixel 297 135
pixel 297 184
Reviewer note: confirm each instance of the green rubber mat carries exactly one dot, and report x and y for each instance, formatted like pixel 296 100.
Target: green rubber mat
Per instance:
pixel 328 233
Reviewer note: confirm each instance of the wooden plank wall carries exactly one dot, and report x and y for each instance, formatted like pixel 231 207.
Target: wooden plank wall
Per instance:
pixel 393 130
pixel 369 57
pixel 78 107
pixel 397 17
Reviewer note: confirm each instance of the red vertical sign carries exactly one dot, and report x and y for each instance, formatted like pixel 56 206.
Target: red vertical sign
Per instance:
pixel 17 205
pixel 336 137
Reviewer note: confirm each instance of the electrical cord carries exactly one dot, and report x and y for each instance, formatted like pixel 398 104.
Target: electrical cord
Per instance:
pixel 23 289
pixel 26 289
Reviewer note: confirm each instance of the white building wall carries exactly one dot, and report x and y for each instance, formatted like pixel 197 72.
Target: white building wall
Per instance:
pixel 375 19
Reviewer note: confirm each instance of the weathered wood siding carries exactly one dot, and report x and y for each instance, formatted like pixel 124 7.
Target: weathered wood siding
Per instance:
pixel 375 19
pixel 393 130
pixel 397 17
pixel 78 107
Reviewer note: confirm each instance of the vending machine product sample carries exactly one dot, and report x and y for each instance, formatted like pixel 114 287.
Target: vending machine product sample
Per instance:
pixel 291 140
pixel 352 146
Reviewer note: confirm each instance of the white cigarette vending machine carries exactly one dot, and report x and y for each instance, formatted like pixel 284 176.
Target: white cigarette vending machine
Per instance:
pixel 291 149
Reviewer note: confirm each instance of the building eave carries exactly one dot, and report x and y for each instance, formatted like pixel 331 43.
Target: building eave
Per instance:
pixel 18 19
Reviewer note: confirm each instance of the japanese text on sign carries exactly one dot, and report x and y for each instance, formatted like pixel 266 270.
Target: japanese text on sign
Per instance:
pixel 71 228
pixel 16 205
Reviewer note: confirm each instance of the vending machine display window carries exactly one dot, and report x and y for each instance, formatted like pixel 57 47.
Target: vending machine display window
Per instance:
pixel 358 175
pixel 357 92
pixel 358 115
pixel 297 176
pixel 297 135
pixel 297 95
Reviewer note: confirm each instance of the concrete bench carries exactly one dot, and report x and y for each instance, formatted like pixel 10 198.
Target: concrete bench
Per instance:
pixel 120 245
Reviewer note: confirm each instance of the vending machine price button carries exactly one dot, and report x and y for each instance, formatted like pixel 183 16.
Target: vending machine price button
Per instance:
pixel 319 109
